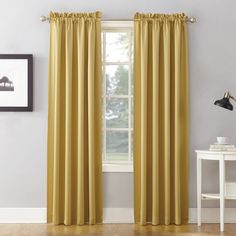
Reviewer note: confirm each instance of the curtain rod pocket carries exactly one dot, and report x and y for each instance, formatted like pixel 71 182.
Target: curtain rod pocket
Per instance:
pixel 46 18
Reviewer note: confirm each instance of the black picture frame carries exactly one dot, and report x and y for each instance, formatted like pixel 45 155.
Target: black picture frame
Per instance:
pixel 29 79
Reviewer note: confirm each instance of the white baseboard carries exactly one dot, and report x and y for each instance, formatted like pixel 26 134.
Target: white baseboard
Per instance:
pixel 38 215
pixel 23 215
pixel 118 215
pixel 212 215
pixel 110 215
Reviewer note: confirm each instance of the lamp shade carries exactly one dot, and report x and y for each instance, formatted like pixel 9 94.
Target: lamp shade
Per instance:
pixel 225 103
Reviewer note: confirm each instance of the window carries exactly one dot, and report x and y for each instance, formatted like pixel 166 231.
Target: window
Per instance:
pixel 117 57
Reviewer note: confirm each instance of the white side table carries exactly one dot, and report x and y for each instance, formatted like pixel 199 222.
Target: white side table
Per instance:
pixel 220 156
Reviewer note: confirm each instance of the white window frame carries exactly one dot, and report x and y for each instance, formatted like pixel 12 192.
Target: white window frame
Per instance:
pixel 127 166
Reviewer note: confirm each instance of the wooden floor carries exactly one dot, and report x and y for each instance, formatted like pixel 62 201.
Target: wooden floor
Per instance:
pixel 113 230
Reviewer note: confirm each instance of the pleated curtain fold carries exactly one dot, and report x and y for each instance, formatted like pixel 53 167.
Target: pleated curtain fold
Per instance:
pixel 160 119
pixel 74 119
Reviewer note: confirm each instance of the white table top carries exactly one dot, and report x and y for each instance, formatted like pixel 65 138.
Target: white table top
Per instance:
pixel 216 155
pixel 216 152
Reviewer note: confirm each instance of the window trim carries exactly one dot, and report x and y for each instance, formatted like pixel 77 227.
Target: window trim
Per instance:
pixel 126 166
pixel 117 25
pixel 117 167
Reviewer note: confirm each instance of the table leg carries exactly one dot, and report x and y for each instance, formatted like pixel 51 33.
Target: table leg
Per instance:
pixel 222 192
pixel 199 190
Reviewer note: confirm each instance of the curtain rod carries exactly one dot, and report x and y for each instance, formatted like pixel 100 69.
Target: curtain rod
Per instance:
pixel 46 18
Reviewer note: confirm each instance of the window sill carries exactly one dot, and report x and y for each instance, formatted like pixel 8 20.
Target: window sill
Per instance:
pixel 108 167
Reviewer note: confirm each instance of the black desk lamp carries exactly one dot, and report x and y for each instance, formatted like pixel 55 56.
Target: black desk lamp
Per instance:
pixel 225 102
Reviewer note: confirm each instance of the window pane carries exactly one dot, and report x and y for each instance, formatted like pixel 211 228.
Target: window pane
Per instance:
pixel 102 39
pixel 117 47
pixel 117 80
pixel 117 113
pixel 132 145
pixel 132 79
pixel 132 47
pixel 117 145
pixel 132 113
pixel 118 86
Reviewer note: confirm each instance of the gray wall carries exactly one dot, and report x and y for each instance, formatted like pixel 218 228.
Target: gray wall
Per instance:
pixel 212 71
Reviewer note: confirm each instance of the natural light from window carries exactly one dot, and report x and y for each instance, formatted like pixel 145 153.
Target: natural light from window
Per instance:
pixel 117 51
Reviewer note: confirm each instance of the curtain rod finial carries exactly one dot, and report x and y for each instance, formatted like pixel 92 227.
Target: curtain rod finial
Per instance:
pixel 192 19
pixel 43 18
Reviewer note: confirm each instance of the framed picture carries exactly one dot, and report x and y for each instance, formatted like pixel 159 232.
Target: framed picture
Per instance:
pixel 16 82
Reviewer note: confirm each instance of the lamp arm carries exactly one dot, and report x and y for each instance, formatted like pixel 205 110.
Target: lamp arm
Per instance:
pixel 232 97
pixel 228 95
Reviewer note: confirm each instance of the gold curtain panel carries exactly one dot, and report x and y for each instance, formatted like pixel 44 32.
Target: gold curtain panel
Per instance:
pixel 74 119
pixel 160 119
